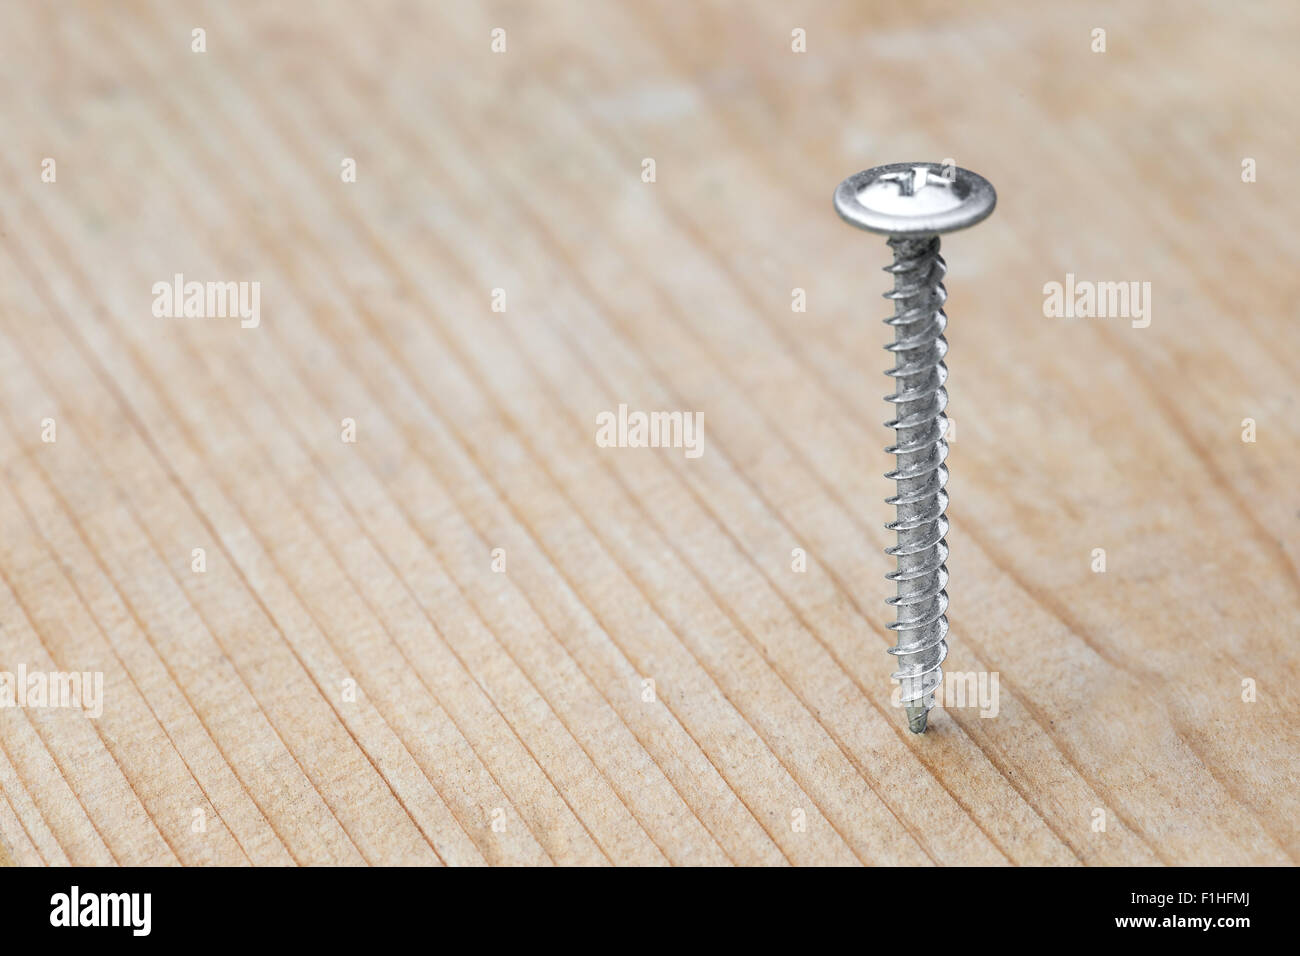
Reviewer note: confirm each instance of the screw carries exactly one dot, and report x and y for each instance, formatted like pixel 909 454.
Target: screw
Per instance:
pixel 912 204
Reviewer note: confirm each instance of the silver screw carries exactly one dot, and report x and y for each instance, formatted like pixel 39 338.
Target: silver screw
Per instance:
pixel 912 204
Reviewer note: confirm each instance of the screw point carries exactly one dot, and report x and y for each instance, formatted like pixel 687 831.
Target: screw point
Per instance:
pixel 917 719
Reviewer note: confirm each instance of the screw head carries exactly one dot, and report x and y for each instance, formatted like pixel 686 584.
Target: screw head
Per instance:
pixel 914 199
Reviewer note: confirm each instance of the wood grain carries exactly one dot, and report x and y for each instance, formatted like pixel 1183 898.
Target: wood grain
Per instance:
pixel 507 716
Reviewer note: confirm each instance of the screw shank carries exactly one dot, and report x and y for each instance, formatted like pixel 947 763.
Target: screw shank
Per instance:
pixel 920 399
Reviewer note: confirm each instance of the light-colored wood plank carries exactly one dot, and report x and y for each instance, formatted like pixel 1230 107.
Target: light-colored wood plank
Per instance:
pixel 350 680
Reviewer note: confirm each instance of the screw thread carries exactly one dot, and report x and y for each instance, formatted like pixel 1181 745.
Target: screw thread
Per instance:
pixel 920 399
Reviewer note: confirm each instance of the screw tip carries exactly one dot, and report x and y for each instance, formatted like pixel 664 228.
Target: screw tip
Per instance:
pixel 917 718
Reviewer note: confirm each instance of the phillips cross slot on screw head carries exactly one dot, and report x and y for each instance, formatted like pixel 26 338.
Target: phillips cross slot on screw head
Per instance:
pixel 912 204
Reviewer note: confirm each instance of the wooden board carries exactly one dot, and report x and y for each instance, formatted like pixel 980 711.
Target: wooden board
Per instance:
pixel 473 635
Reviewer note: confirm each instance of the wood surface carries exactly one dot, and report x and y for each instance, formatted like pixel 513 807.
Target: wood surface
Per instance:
pixel 519 697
